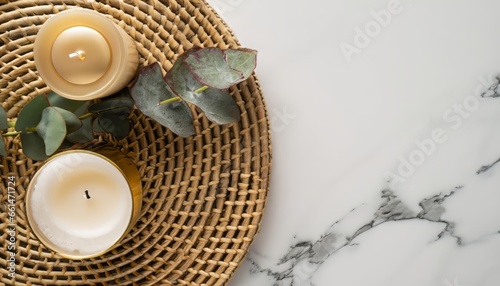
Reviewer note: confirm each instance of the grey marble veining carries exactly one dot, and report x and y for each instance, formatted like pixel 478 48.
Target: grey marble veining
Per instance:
pixel 305 257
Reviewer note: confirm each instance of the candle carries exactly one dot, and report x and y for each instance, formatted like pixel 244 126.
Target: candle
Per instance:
pixel 77 67
pixel 80 204
pixel 82 55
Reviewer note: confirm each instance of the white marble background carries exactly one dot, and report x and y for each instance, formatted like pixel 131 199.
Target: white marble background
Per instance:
pixel 380 135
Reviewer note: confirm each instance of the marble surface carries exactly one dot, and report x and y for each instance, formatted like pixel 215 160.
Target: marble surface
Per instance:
pixel 386 141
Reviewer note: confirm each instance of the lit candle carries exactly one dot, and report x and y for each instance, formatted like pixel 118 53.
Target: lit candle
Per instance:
pixel 80 204
pixel 82 55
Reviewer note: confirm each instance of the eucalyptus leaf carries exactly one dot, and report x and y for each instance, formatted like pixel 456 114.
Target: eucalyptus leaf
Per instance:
pixel 96 127
pixel 242 60
pixel 82 110
pixel 66 144
pixel 33 146
pixel 72 121
pixel 3 120
pixel 52 129
pixel 84 134
pixel 209 67
pixel 149 90
pixel 31 114
pixel 218 105
pixel 71 105
pixel 3 151
pixel 175 116
pixel 119 105
pixel 219 68
pixel 181 81
pixel 116 124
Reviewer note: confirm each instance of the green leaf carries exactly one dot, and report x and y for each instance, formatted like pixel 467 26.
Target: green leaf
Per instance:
pixel 219 68
pixel 29 117
pixel 3 151
pixel 119 105
pixel 71 105
pixel 52 128
pixel 243 60
pixel 209 67
pixel 175 116
pixel 66 144
pixel 96 127
pixel 218 105
pixel 149 90
pixel 72 121
pixel 84 134
pixel 33 146
pixel 82 110
pixel 116 124
pixel 181 81
pixel 3 119
pixel 31 114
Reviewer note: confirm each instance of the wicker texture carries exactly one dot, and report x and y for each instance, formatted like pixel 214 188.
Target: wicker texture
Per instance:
pixel 203 196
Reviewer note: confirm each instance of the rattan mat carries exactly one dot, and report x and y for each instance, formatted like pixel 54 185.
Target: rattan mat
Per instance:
pixel 203 196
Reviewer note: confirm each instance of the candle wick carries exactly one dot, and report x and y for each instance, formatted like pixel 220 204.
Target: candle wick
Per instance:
pixel 78 54
pixel 87 194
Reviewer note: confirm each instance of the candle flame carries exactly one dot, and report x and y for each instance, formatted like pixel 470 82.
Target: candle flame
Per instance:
pixel 78 54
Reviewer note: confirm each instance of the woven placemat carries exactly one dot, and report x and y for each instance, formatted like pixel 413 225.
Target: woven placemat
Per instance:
pixel 203 196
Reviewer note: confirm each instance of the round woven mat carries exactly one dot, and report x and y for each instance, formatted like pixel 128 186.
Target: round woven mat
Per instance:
pixel 203 197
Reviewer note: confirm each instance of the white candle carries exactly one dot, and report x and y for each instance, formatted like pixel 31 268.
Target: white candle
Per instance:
pixel 82 55
pixel 80 204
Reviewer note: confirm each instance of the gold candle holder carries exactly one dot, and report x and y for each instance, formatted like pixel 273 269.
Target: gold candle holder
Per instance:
pixel 81 204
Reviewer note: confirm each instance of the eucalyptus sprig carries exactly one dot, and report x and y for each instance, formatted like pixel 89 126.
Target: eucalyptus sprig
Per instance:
pixel 50 122
pixel 200 76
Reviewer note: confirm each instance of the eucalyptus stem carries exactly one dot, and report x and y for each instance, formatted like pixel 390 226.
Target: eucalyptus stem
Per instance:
pixel 14 133
pixel 201 89
pixel 170 100
pixel 87 115
pixel 11 133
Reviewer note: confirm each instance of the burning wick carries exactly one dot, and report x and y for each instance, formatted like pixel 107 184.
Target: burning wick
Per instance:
pixel 87 194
